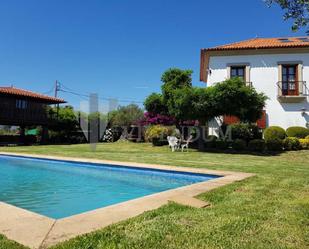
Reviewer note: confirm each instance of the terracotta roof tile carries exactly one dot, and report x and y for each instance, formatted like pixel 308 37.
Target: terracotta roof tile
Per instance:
pixel 265 43
pixel 24 93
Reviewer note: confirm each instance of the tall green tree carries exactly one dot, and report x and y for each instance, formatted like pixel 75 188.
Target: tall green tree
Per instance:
pixel 172 80
pixel 192 103
pixel 233 97
pixel 296 10
pixel 184 102
pixel 64 125
pixel 125 115
pixel 154 104
pixel 64 119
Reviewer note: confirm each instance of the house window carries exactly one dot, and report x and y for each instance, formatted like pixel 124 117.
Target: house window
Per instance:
pixel 289 80
pixel 21 104
pixel 238 71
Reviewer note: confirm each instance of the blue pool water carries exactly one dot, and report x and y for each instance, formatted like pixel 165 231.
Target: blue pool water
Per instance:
pixel 58 189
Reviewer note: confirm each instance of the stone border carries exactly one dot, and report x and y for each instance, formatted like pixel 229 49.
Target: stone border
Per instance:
pixel 37 231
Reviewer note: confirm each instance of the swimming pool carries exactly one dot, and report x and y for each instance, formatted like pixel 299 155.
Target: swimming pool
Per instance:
pixel 59 189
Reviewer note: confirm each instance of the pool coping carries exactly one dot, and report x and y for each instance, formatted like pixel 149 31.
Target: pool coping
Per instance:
pixel 38 231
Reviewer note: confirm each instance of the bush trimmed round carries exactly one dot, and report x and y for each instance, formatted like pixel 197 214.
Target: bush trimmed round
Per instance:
pixel 245 131
pixel 157 134
pixel 257 145
pixel 274 144
pixel 210 142
pixel 291 143
pixel 274 132
pixel 239 144
pixel 222 144
pixel 304 143
pixel 297 131
pixel 158 142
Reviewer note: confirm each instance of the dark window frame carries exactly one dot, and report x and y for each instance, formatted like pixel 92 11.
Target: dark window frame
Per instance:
pixel 21 104
pixel 238 75
pixel 289 79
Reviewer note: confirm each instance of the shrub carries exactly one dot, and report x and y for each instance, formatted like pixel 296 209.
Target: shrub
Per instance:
pixel 304 143
pixel 297 131
pixel 125 115
pixel 30 139
pixel 212 137
pixel 307 137
pixel 157 134
pixel 155 131
pixel 222 144
pixel 274 133
pixel 239 144
pixel 245 131
pixel 257 145
pixel 64 137
pixel 156 119
pixel 291 143
pixel 275 144
pixel 211 142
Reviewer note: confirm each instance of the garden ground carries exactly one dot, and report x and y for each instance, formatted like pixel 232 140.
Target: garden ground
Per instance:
pixel 270 210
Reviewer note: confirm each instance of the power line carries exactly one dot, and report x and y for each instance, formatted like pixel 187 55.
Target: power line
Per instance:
pixel 83 96
pixel 50 91
pixel 65 89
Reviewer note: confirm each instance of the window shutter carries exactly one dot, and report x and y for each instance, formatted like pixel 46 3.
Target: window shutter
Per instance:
pixel 230 120
pixel 261 123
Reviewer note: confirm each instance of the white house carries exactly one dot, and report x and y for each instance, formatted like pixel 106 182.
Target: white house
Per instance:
pixel 279 67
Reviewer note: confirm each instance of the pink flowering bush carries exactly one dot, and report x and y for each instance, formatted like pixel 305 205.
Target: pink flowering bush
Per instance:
pixel 159 119
pixel 156 119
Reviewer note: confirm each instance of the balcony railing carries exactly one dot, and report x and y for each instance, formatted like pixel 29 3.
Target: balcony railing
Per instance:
pixel 296 90
pixel 248 84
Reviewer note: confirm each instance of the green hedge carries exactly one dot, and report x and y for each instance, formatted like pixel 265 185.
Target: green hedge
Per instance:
pixel 275 144
pixel 257 145
pixel 210 142
pixel 297 131
pixel 245 131
pixel 239 144
pixel 291 143
pixel 222 144
pixel 274 132
pixel 304 143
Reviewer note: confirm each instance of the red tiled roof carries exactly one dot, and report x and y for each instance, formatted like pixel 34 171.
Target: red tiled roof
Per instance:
pixel 265 43
pixel 24 93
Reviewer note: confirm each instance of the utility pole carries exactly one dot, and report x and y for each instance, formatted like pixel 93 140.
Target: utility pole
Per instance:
pixel 57 89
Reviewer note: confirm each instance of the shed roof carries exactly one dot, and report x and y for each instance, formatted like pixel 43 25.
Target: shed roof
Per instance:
pixel 13 91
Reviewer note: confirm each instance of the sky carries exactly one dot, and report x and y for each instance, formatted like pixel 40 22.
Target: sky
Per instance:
pixel 120 48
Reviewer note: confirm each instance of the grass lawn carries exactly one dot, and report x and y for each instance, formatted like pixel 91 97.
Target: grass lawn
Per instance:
pixel 270 210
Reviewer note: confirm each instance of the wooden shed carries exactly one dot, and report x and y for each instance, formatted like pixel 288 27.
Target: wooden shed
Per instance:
pixel 22 108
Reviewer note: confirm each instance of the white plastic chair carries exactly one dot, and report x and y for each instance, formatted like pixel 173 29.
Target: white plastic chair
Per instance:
pixel 185 144
pixel 173 143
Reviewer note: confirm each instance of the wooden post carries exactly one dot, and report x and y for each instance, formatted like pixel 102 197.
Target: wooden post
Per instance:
pixel 44 138
pixel 22 134
pixel 201 145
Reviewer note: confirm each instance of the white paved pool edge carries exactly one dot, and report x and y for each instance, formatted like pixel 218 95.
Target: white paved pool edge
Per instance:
pixel 37 231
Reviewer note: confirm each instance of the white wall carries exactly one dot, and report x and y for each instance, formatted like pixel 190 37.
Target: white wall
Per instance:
pixel 264 77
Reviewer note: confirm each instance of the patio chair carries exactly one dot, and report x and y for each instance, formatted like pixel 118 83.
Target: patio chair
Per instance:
pixel 173 143
pixel 185 144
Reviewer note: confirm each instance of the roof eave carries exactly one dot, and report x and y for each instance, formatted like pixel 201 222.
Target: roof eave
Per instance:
pixel 254 48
